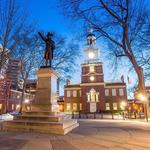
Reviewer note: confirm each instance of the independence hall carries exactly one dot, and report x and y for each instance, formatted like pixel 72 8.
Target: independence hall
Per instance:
pixel 93 94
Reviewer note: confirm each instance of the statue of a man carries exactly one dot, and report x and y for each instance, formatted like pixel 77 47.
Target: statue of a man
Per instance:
pixel 49 48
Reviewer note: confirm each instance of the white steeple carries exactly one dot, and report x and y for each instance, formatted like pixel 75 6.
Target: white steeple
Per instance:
pixel 91 51
pixel 91 39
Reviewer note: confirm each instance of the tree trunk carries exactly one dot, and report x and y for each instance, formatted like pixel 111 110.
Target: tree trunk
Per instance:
pixel 22 97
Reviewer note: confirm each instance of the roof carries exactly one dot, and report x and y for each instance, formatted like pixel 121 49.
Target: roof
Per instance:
pixel 72 85
pixel 114 83
pixel 147 87
pixel 90 34
pixel 134 101
pixel 61 99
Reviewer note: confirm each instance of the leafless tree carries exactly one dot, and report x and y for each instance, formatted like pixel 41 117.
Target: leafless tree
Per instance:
pixel 120 22
pixel 29 53
pixel 12 19
pixel 65 56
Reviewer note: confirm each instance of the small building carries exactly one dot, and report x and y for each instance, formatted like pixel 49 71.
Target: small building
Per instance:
pixel 94 94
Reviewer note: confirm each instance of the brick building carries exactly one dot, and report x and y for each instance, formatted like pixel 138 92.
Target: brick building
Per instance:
pixel 13 72
pixel 136 105
pixel 93 94
pixel 12 101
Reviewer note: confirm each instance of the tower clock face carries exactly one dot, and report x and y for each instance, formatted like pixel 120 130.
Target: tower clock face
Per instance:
pixel 92 78
pixel 91 55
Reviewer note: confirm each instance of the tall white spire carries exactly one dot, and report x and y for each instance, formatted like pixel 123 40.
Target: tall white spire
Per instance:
pixel 91 39
pixel 91 51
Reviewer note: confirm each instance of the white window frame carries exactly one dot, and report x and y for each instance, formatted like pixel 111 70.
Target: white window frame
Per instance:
pixel 92 68
pixel 107 106
pixel 74 106
pixel 92 96
pixel 68 93
pixel 1 105
pixel 13 106
pixel 80 93
pixel 114 92
pixel 80 106
pixel 121 92
pixel 97 97
pixel 88 97
pixel 106 92
pixel 115 106
pixel 68 106
pixel 74 93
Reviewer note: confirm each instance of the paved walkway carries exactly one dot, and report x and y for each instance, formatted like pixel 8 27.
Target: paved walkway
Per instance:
pixel 91 135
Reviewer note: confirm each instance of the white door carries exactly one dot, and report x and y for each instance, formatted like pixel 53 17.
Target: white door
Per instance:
pixel 92 107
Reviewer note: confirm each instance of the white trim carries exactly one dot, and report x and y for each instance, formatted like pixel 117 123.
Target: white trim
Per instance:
pixel 95 64
pixel 115 86
pixel 73 88
pixel 91 84
pixel 95 74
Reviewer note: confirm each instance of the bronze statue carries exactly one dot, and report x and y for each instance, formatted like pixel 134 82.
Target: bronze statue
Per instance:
pixel 49 47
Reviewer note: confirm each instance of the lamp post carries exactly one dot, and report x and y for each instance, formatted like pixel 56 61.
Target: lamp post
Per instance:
pixel 123 107
pixel 143 98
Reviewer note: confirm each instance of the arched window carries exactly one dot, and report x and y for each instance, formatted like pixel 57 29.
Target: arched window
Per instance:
pixel 92 96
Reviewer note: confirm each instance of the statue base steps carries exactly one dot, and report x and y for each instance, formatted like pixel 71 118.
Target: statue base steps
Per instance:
pixel 41 123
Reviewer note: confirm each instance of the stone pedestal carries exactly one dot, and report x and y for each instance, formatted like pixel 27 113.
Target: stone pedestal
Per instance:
pixel 46 95
pixel 43 116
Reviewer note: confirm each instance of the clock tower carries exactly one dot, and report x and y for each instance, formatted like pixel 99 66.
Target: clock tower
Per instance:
pixel 92 80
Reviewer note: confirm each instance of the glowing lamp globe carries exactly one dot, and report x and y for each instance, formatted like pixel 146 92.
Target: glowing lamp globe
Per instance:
pixel 91 55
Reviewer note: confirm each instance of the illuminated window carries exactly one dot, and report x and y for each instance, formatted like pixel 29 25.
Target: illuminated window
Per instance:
pixel 121 92
pixel 80 106
pixel 68 107
pixel 80 93
pixel 106 92
pixel 123 105
pixel 1 106
pixel 28 108
pixel 113 92
pixel 92 68
pixel 17 107
pixel 92 96
pixel 68 94
pixel 114 106
pixel 88 97
pixel 96 97
pixel 107 106
pixel 74 93
pixel 75 106
pixel 61 107
pixel 12 106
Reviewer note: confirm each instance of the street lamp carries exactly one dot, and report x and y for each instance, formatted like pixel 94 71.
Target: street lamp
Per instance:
pixel 123 105
pixel 26 101
pixel 143 98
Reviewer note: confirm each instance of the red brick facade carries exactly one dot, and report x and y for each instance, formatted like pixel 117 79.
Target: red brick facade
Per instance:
pixel 99 87
pixel 95 94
